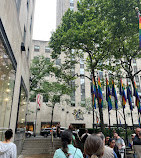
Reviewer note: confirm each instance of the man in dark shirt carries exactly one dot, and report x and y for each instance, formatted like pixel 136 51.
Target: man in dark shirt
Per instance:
pixel 137 139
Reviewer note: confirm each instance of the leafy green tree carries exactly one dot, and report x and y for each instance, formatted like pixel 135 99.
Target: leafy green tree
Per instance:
pixel 51 91
pixel 123 25
pixel 84 31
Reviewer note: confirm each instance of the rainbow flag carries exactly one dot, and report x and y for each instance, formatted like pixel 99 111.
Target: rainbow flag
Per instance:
pixel 94 96
pixel 94 88
pixel 139 31
pixel 100 96
pixel 129 94
pixel 108 95
pixel 122 93
pixel 114 94
pixel 137 98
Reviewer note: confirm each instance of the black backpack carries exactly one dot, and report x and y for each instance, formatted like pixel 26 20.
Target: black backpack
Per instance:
pixel 84 138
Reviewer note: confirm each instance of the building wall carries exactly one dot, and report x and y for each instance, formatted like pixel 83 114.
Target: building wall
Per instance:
pixel 14 20
pixel 64 112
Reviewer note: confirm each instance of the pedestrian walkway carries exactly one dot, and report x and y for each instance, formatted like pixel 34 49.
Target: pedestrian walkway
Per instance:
pixel 37 156
pixel 39 147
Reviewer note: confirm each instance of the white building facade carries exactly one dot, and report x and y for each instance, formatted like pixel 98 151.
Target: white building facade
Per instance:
pixel 16 25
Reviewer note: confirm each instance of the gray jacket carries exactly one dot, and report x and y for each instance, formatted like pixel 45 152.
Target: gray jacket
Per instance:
pixel 8 150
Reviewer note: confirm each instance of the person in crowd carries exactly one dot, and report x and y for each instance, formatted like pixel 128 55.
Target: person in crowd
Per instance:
pixel 73 137
pixel 132 138
pixel 136 140
pixel 7 148
pixel 107 141
pixel 137 147
pixel 67 150
pixel 108 152
pixel 58 130
pixel 94 147
pixel 112 144
pixel 120 144
pixel 84 136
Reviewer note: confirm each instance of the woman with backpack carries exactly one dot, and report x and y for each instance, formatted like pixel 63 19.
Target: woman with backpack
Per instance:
pixel 67 150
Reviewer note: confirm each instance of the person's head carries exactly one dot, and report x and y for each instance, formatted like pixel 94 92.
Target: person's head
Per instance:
pixel 112 142
pixel 133 135
pixel 101 135
pixel 86 130
pixel 71 127
pixel 137 131
pixel 107 140
pixel 8 134
pixel 115 135
pixel 66 139
pixel 94 147
pixel 140 134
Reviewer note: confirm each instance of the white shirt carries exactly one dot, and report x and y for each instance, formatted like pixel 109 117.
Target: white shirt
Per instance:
pixel 8 150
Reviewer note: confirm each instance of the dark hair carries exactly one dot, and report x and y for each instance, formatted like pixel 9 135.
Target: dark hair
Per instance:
pixel 94 146
pixel 66 138
pixel 8 134
pixel 101 135
pixel 110 140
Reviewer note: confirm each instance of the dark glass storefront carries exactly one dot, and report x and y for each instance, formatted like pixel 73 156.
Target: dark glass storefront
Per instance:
pixel 22 108
pixel 7 82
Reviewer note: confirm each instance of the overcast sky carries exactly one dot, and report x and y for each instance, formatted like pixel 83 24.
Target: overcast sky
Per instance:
pixel 44 19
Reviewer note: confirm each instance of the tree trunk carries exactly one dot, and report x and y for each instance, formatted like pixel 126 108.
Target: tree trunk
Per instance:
pixel 99 106
pixel 52 114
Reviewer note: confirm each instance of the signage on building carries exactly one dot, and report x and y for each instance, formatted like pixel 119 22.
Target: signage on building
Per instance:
pixel 78 114
pixel 39 101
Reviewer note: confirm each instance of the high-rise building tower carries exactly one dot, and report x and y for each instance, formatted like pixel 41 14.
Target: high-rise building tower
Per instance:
pixel 62 7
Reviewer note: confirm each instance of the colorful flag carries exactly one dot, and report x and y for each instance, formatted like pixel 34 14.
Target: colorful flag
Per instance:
pixel 94 88
pixel 122 93
pixel 108 95
pixel 114 94
pixel 129 94
pixel 139 121
pixel 137 98
pixel 100 96
pixel 94 93
pixel 139 31
pixel 97 120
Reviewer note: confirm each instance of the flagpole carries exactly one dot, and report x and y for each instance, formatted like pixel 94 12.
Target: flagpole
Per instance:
pixel 93 109
pixel 109 122
pixel 116 116
pixel 92 92
pixel 125 123
pixel 139 120
pixel 132 119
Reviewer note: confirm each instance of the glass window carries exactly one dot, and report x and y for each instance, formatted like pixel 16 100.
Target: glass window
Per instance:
pixel 31 24
pixel 101 75
pixel 81 71
pixel 36 48
pixel 138 88
pixel 134 60
pixel 7 81
pixel 27 5
pixel 81 61
pixel 58 61
pixel 21 117
pixel 18 4
pixel 82 66
pixel 24 36
pixel 71 4
pixel 47 49
pixel 135 69
pixel 137 79
pixel 48 60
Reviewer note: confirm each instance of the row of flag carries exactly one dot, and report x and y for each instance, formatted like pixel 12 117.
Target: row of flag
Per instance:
pixel 114 94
